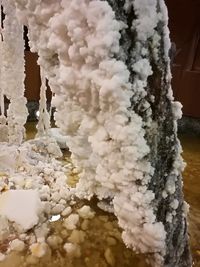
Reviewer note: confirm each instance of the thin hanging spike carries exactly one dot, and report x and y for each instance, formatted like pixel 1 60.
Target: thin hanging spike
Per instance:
pixel 44 117
pixel 1 47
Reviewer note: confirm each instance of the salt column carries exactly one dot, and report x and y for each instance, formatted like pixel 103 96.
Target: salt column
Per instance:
pixel 12 73
pixel 1 89
pixel 3 126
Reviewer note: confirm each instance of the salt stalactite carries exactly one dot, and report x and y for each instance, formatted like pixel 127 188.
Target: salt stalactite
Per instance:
pixel 44 117
pixel 107 63
pixel 12 76
pixel 1 88
pixel 3 121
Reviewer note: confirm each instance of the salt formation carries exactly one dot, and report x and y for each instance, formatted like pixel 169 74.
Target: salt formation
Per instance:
pixel 3 126
pixel 110 107
pixel 44 117
pixel 12 73
pixel 92 97
pixel 33 189
pixel 44 124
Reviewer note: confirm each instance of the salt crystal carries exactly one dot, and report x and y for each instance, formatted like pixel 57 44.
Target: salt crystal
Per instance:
pixel 38 249
pixel 73 250
pixel 17 245
pixel 71 222
pixel 86 213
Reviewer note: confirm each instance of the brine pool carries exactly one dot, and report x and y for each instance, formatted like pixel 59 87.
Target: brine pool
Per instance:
pixel 101 244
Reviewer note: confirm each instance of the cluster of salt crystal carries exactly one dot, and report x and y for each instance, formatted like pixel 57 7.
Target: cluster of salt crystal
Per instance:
pixel 12 73
pixel 34 188
pixel 11 157
pixel 76 41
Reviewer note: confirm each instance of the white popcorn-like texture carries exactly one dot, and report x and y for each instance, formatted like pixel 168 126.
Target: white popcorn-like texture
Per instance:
pixel 76 42
pixel 31 168
pixel 12 73
pixel 33 194
pixel 17 245
pixel 60 139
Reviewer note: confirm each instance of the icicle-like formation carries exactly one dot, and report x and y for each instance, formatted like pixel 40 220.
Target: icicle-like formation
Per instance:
pixel 1 89
pixel 3 126
pixel 44 117
pixel 12 76
pixel 1 51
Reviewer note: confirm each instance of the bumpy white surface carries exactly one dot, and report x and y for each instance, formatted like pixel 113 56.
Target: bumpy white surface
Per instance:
pixel 22 207
pixel 32 182
pixel 12 73
pixel 60 139
pixel 33 194
pixel 76 41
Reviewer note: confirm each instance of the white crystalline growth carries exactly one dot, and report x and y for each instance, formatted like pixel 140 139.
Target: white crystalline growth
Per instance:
pixel 22 207
pixel 43 125
pixel 12 73
pixel 1 87
pixel 60 139
pixel 17 245
pixel 86 213
pixel 11 157
pixel 76 42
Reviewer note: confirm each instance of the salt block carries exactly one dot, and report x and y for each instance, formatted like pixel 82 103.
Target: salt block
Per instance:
pixel 22 207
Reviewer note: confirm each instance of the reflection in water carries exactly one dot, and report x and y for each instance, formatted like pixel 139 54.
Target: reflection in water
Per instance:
pixel 191 154
pixel 100 240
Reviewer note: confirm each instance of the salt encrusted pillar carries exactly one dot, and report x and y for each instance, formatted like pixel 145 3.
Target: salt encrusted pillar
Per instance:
pixel 107 64
pixel 43 125
pixel 12 78
pixel 3 126
pixel 1 51
pixel 147 41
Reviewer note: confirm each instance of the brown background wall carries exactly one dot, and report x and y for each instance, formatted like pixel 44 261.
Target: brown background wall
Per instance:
pixel 32 80
pixel 184 24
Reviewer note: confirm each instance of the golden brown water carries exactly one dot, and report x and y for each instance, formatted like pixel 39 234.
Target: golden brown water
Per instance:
pixel 191 154
pixel 102 245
